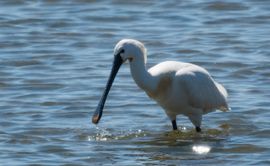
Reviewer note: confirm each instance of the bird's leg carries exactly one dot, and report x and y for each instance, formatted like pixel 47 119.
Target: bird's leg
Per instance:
pixel 174 125
pixel 198 129
pixel 196 117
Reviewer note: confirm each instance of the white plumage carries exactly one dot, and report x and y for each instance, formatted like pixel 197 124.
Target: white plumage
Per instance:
pixel 178 87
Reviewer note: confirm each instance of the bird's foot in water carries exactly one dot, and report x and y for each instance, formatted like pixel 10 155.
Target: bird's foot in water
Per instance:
pixel 174 124
pixel 198 129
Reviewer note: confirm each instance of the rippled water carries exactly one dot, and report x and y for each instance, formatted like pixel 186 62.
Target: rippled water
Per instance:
pixel 55 57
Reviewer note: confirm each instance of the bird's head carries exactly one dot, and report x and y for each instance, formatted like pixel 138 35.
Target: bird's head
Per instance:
pixel 126 49
pixel 130 49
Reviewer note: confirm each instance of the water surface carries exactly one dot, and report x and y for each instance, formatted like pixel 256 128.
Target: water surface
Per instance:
pixel 55 57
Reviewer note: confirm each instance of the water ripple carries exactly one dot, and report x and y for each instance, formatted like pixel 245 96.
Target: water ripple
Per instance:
pixel 56 55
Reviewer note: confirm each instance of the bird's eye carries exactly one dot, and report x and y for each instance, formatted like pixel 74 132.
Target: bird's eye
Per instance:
pixel 122 51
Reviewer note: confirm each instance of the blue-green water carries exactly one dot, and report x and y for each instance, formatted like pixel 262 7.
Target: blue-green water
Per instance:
pixel 55 57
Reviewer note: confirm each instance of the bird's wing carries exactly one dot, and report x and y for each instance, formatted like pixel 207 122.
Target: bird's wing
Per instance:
pixel 202 91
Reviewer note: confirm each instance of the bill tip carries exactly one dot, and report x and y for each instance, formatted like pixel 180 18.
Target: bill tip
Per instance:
pixel 95 119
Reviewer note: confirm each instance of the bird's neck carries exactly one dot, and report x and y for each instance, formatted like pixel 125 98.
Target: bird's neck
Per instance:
pixel 141 76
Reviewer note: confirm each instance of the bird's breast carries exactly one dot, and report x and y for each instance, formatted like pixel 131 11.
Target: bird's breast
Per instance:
pixel 162 89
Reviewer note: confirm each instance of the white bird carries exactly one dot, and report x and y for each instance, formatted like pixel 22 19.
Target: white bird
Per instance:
pixel 178 87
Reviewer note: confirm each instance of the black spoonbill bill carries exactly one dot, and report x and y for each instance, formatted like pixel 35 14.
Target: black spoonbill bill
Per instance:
pixel 178 87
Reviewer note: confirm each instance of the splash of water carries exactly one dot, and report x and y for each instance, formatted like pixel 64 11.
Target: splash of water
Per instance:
pixel 103 134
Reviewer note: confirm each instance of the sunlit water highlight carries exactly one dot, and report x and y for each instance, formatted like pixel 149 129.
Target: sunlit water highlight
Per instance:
pixel 201 149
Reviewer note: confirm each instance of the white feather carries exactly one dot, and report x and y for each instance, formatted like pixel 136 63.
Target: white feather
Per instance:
pixel 180 88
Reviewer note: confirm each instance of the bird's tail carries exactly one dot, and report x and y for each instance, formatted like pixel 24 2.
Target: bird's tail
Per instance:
pixel 224 93
pixel 222 90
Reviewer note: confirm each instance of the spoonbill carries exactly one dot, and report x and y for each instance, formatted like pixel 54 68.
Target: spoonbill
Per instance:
pixel 178 87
